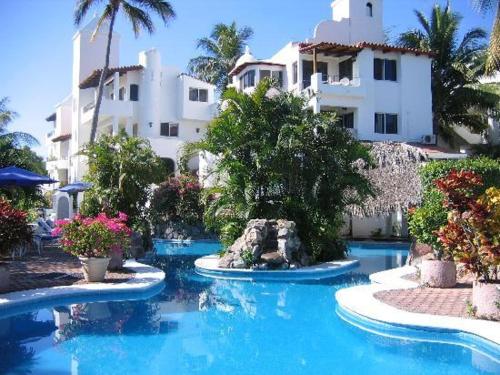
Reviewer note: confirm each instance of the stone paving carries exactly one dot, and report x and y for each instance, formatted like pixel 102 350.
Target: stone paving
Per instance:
pixel 52 268
pixel 450 302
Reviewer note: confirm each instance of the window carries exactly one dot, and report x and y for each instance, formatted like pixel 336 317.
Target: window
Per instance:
pixel 248 79
pixel 386 123
pixel 169 129
pixel 265 74
pixel 369 9
pixel 198 95
pixel 121 93
pixel 307 71
pixel 135 130
pixel 345 69
pixel 134 93
pixel 384 70
pixel 295 73
pixel 278 76
pixel 348 120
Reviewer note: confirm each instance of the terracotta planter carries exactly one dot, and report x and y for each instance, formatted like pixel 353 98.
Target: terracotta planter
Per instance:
pixel 438 274
pixel 116 261
pixel 486 300
pixel 4 277
pixel 94 269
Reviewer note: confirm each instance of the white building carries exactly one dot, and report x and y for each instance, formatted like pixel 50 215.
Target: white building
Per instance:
pixel 382 92
pixel 148 100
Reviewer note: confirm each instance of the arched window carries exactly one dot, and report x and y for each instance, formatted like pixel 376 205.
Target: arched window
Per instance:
pixel 369 9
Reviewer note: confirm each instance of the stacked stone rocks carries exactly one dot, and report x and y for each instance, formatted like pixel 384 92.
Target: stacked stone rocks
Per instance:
pixel 267 244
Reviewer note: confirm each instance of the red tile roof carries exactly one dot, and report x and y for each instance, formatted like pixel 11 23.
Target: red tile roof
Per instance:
pixel 338 47
pixel 239 68
pixel 61 138
pixel 93 79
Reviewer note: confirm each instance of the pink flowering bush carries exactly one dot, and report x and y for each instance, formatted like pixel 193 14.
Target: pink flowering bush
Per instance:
pixel 94 237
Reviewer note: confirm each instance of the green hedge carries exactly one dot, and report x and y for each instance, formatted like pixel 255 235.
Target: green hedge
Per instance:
pixel 431 215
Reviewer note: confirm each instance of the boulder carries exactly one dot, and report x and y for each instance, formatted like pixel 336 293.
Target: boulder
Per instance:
pixel 269 244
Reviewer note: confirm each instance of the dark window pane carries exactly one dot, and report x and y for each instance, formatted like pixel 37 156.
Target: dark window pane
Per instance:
pixel 174 130
pixel 378 69
pixel 121 93
pixel 391 124
pixel 345 69
pixel 295 69
pixel 134 92
pixel 193 95
pixel 390 70
pixel 203 95
pixel 379 123
pixel 348 120
pixel 265 74
pixel 323 69
pixel 164 129
pixel 307 71
pixel 278 76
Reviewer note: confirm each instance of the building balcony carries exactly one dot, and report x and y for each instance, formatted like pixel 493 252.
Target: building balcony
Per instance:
pixel 334 87
pixel 109 108
pixel 57 164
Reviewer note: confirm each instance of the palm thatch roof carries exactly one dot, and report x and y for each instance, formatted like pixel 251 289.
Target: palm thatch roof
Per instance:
pixel 394 177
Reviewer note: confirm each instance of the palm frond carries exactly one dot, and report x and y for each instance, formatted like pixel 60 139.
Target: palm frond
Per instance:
pixel 138 18
pixel 161 8
pixel 82 8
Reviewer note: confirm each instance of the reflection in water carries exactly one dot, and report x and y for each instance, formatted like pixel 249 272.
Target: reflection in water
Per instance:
pixel 198 325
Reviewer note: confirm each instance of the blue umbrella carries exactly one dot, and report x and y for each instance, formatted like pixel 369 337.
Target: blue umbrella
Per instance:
pixel 14 176
pixel 76 187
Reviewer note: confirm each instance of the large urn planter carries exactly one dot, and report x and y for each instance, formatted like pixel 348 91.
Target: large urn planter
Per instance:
pixel 4 277
pixel 438 273
pixel 486 300
pixel 94 269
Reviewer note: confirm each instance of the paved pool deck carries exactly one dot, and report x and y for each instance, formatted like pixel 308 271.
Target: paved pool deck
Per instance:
pixel 396 299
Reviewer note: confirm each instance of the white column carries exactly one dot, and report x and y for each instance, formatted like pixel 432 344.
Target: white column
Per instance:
pixel 115 125
pixel 116 85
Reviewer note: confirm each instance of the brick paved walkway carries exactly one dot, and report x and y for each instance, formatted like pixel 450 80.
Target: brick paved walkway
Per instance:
pixel 52 268
pixel 450 302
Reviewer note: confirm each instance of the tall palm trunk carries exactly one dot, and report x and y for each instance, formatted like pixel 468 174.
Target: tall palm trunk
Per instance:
pixel 104 74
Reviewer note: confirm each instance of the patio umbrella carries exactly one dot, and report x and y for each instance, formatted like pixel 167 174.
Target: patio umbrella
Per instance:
pixel 14 176
pixel 76 187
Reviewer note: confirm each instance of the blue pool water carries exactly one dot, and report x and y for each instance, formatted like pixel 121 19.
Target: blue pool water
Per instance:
pixel 197 325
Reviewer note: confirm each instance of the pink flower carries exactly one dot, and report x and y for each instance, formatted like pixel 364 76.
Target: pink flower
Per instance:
pixel 122 216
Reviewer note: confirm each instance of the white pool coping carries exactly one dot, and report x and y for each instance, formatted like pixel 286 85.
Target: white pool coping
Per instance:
pixel 208 266
pixel 144 279
pixel 360 300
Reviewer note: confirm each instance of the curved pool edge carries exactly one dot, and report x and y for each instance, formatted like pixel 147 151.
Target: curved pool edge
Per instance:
pixel 418 333
pixel 361 301
pixel 208 266
pixel 146 282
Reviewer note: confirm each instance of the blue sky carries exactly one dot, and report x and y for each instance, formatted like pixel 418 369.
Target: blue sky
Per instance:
pixel 35 66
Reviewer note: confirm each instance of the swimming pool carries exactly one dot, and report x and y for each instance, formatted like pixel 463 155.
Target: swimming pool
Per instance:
pixel 197 325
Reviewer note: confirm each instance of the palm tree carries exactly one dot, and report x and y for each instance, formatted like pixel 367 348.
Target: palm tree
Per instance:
pixel 456 69
pixel 223 48
pixel 137 13
pixel 14 139
pixel 484 6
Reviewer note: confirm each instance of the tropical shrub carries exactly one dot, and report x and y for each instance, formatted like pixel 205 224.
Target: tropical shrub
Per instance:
pixel 122 170
pixel 96 237
pixel 425 220
pixel 178 199
pixel 14 228
pixel 472 233
pixel 277 159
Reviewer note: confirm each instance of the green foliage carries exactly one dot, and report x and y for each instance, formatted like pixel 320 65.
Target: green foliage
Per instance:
pixel 223 48
pixel 427 219
pixel 457 67
pixel 14 150
pixel 178 199
pixel 247 257
pixel 121 170
pixel 277 159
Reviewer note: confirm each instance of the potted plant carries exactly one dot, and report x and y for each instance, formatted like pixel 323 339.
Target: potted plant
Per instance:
pixel 14 232
pixel 472 236
pixel 93 240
